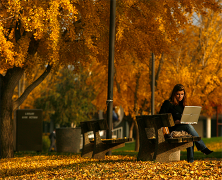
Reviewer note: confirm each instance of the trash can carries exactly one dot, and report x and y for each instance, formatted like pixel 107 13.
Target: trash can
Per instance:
pixel 68 140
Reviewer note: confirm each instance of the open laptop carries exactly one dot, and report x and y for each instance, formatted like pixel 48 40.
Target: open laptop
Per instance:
pixel 191 114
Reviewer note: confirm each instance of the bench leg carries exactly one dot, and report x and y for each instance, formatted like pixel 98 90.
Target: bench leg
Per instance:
pixel 166 149
pixel 146 151
pixel 101 149
pixel 87 149
pixel 147 146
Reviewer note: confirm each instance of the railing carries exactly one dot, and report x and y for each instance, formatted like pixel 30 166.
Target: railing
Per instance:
pixel 116 133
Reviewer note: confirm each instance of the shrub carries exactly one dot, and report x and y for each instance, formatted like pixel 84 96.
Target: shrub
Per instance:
pixel 45 143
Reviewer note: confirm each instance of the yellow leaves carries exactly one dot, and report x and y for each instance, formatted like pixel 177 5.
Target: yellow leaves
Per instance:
pixel 68 6
pixel 45 21
pixel 131 2
pixel 119 33
pixel 114 167
pixel 6 48
pixel 22 49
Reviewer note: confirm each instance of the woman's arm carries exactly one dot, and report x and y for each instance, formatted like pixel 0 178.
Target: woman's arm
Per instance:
pixel 165 107
pixel 177 122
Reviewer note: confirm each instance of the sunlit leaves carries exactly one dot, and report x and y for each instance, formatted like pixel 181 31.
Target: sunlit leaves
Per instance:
pixel 45 21
pixel 6 49
pixel 143 27
pixel 196 63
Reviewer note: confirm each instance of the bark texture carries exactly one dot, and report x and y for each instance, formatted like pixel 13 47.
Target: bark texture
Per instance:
pixel 8 84
pixel 7 87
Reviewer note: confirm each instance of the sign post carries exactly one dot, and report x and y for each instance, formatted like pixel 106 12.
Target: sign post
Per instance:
pixel 29 130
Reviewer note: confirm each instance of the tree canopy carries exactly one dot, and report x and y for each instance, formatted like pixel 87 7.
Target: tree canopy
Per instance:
pixel 163 28
pixel 53 33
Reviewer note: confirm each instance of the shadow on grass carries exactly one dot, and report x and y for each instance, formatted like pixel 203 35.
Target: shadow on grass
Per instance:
pixel 183 155
pixel 200 156
pixel 125 153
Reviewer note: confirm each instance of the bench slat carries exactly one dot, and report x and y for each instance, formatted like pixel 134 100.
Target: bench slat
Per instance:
pixel 112 141
pixel 183 139
pixel 160 120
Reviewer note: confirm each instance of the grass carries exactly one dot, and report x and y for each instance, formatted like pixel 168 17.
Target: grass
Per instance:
pixel 214 144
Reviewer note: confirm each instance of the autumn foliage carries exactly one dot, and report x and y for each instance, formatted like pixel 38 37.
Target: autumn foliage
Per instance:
pixel 51 34
pixel 187 51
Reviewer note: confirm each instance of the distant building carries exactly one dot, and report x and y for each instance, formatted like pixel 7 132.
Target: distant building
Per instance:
pixel 203 127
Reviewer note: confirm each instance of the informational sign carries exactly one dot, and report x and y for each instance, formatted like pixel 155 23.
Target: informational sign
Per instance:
pixel 29 130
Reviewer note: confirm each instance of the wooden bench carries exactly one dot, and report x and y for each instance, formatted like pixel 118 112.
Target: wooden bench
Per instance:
pixel 153 145
pixel 98 147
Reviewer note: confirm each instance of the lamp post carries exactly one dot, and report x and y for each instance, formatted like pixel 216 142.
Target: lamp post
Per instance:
pixel 111 69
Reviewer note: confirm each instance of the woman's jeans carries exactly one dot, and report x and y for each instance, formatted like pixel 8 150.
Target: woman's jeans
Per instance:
pixel 199 144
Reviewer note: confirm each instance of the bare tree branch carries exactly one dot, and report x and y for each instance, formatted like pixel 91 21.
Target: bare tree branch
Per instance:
pixel 29 89
pixel 7 18
pixel 159 69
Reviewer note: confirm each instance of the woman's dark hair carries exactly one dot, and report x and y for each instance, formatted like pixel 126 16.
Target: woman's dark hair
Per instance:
pixel 178 87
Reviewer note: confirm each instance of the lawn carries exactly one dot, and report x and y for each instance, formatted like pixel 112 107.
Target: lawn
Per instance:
pixel 214 144
pixel 121 165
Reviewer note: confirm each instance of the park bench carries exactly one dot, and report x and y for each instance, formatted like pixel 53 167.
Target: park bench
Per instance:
pixel 97 148
pixel 153 145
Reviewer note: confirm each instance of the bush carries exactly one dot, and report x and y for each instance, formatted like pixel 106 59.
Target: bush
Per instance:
pixel 45 143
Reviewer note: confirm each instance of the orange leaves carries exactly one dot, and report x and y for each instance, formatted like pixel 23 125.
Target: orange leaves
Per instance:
pixel 114 167
pixel 196 63
pixel 143 27
pixel 44 22
pixel 6 48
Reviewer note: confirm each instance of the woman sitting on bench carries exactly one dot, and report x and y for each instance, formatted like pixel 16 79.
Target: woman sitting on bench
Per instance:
pixel 175 106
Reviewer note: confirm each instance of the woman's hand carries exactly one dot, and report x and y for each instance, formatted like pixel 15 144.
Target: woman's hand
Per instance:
pixel 177 122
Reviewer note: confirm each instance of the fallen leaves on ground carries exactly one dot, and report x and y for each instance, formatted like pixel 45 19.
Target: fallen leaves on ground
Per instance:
pixel 112 167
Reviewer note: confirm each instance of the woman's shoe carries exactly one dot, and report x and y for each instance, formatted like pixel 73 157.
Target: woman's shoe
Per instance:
pixel 206 151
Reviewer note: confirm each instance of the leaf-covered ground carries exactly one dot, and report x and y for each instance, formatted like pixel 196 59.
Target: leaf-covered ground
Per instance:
pixel 113 167
pixel 121 165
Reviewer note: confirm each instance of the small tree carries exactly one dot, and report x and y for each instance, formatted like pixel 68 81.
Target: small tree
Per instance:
pixel 68 100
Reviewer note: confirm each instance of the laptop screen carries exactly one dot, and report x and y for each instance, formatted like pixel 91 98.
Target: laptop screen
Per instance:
pixel 191 114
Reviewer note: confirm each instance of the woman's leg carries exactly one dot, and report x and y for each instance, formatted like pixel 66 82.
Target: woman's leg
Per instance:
pixel 190 154
pixel 199 144
pixel 190 129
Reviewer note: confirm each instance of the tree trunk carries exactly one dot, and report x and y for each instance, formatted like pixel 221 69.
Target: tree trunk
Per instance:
pixel 131 130
pixel 6 129
pixel 7 86
pixel 134 124
pixel 137 145
pixel 136 111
